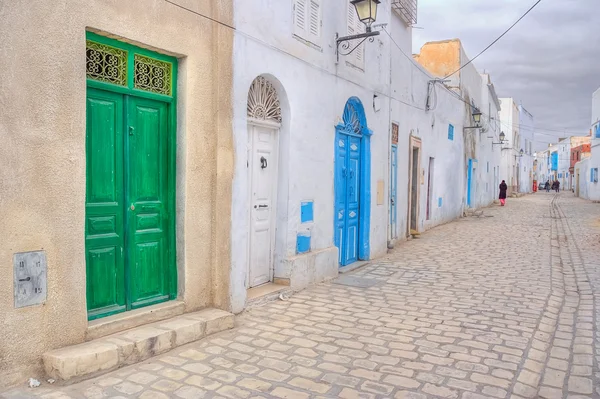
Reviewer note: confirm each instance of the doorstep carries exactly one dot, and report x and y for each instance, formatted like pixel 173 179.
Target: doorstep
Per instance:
pixel 353 266
pixel 134 318
pixel 265 293
pixel 78 362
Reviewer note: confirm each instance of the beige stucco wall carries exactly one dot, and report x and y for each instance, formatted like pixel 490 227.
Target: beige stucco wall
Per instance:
pixel 42 156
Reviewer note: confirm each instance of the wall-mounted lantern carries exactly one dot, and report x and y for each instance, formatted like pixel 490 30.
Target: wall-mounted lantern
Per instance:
pixel 367 14
pixel 476 114
pixel 521 153
pixel 367 11
pixel 502 139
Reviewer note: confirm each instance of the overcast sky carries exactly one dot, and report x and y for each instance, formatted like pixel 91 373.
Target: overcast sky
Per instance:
pixel 550 60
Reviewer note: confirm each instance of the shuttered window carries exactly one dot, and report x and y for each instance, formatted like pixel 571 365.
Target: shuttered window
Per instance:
pixel 307 20
pixel 355 27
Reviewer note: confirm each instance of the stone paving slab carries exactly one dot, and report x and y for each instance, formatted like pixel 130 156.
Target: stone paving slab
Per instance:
pixel 499 307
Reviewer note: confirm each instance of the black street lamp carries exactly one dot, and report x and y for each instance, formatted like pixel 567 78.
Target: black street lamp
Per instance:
pixel 367 14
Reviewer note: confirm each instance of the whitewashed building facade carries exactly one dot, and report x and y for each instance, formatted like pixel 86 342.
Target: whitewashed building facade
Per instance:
pixel 526 158
pixel 587 169
pixel 338 158
pixel 509 119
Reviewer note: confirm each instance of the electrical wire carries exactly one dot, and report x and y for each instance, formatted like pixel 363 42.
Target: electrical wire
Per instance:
pixel 495 41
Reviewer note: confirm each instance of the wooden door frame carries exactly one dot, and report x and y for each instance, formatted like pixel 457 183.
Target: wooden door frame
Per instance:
pixel 171 101
pixel 413 142
pixel 276 128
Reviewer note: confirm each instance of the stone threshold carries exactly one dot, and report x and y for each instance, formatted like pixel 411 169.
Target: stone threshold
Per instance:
pixel 134 318
pixel 353 266
pixel 75 363
pixel 258 296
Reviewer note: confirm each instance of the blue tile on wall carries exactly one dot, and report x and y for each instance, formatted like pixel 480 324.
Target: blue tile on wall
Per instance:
pixel 440 202
pixel 306 212
pixel 303 243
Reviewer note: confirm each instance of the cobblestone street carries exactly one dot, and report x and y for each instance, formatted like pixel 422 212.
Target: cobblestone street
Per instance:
pixel 500 306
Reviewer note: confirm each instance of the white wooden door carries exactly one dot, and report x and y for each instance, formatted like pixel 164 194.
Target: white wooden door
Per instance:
pixel 263 174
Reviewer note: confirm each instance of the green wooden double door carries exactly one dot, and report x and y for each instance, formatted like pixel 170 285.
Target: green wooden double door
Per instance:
pixel 128 200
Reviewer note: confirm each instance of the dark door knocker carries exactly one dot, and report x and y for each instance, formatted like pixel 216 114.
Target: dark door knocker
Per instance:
pixel 263 162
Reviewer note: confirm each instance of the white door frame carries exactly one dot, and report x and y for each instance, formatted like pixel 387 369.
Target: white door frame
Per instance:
pixel 276 128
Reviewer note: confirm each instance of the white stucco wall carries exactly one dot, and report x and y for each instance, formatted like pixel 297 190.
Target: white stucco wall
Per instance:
pixel 586 187
pixel 489 153
pixel 509 119
pixel 527 138
pixel 564 163
pixel 313 91
pixel 543 170
pixel 594 160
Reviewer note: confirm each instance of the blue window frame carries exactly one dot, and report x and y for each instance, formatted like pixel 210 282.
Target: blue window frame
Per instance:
pixel 597 132
pixel 450 132
pixel 594 175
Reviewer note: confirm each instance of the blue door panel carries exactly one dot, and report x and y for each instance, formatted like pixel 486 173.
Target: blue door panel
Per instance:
pixel 469 181
pixel 347 196
pixel 393 194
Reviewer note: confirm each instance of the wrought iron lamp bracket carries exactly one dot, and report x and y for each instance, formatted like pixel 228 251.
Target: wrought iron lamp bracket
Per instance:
pixel 344 45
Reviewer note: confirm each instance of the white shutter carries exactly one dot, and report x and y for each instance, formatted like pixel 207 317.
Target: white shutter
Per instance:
pixel 301 17
pixel 352 17
pixel 314 20
pixel 356 27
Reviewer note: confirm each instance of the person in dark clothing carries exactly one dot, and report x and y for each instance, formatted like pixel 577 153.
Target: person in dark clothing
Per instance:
pixel 547 186
pixel 557 186
pixel 502 196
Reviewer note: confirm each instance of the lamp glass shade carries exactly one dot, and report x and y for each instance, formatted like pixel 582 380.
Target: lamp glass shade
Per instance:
pixel 367 11
pixel 521 152
pixel 477 116
pixel 502 136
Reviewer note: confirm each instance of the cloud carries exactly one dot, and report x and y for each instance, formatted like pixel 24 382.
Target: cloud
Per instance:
pixel 549 60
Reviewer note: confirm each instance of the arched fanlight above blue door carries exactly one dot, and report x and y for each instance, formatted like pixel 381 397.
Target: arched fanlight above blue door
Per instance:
pixel 352 183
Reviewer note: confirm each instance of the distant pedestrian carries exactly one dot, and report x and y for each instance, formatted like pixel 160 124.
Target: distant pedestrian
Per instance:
pixel 502 196
pixel 556 186
pixel 547 186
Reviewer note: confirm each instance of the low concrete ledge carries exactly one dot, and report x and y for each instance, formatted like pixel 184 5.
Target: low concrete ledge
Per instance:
pixel 77 362
pixel 135 318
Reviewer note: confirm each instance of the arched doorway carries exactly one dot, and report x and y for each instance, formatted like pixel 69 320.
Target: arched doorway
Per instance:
pixel 264 123
pixel 352 180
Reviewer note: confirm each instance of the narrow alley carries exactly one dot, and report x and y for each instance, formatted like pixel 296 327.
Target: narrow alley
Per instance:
pixel 499 306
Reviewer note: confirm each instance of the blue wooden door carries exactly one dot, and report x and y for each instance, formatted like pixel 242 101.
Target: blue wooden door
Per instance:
pixel 469 181
pixel 347 196
pixel 393 195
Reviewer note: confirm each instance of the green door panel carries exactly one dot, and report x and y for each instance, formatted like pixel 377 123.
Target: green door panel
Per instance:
pixel 147 200
pixel 104 232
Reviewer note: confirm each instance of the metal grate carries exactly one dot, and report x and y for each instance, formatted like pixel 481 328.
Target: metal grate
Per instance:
pixel 407 9
pixel 106 63
pixel 152 75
